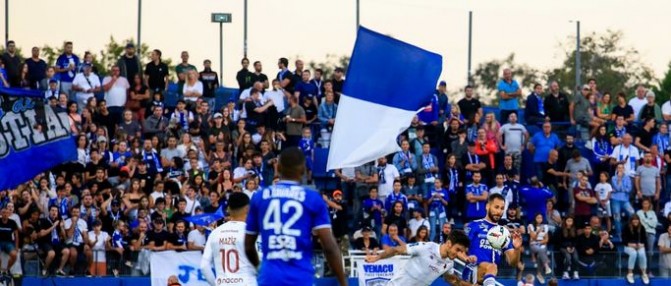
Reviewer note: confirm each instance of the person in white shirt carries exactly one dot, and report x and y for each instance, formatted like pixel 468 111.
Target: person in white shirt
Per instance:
pixel 664 244
pixel 604 190
pixel 76 235
pixel 498 189
pixel 416 221
pixel 276 95
pixel 193 88
pixel 98 242
pixel 246 95
pixel 116 92
pixel 639 100
pixel 428 261
pixel 627 155
pixel 86 84
pixel 226 248
pixel 196 238
pixel 387 174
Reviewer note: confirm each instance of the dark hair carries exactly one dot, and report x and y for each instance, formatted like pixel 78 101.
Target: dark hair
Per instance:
pixel 459 237
pixel 158 52
pixel 237 201
pixel 284 61
pixel 244 59
pixel 292 163
pixel 494 197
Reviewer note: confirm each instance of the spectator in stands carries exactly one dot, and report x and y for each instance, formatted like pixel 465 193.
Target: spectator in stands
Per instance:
pixel 443 100
pixel 604 107
pixel 622 109
pixel 513 137
pixel 541 144
pixel 392 238
pixel 576 164
pixel 601 150
pixel 476 196
pixel 366 242
pixel 294 120
pixel 469 105
pixel 639 100
pixel 472 162
pixel 12 62
pixel 635 241
pixel 176 240
pixel 193 87
pixel 450 133
pixel 338 82
pixel 182 70
pixel 644 139
pixel 566 151
pixel 427 167
pixel 76 233
pixel 584 198
pixel 50 240
pixel 648 218
pixel 37 69
pixel 650 109
pixel 579 112
pixel 327 111
pixel 604 192
pixel 435 203
pixel 396 196
pixel 9 239
pixel 539 236
pixel 98 242
pixel 422 235
pixel 535 197
pixel 396 216
pixel 373 209
pixel 647 180
pixel 556 104
pixel 416 221
pixel 566 237
pixel 588 247
pixel 405 161
pixel 130 126
pixel 509 92
pixel 664 244
pixel 66 65
pixel 86 84
pixel 116 88
pixel 627 155
pixel 129 63
pixel 156 73
pixel 534 111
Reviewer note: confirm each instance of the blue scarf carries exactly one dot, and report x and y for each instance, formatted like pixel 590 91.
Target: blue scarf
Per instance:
pixel 427 161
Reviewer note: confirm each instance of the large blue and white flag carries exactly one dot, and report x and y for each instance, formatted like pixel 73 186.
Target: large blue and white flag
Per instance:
pixel 26 151
pixel 388 82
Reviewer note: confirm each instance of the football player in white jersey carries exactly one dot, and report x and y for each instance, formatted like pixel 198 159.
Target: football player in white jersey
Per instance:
pixel 226 247
pixel 428 261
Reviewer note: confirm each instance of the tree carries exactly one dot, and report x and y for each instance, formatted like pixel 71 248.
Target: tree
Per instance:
pixel 328 66
pixel 663 91
pixel 603 57
pixel 487 75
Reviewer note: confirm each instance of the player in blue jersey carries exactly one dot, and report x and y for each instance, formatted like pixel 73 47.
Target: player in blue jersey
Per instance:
pixel 286 215
pixel 481 251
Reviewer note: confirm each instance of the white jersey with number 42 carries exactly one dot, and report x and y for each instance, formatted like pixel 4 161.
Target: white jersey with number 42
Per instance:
pixel 226 247
pixel 424 266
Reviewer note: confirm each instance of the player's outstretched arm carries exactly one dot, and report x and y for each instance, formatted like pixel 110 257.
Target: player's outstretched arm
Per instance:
pixel 250 249
pixel 513 254
pixel 331 251
pixel 455 280
pixel 389 252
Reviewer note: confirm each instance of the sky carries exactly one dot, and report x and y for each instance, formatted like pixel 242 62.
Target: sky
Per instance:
pixel 533 29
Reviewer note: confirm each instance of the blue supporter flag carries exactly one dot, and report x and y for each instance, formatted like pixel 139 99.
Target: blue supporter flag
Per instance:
pixel 388 81
pixel 26 151
pixel 206 219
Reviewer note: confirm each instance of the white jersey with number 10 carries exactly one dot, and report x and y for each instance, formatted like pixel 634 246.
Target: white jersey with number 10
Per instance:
pixel 226 247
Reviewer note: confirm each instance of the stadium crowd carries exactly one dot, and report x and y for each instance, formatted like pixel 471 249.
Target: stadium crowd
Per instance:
pixel 583 175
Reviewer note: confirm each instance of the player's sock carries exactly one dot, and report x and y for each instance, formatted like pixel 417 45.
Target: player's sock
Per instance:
pixel 489 280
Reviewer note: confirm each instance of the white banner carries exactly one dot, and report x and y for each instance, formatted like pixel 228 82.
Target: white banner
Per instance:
pixel 378 273
pixel 185 265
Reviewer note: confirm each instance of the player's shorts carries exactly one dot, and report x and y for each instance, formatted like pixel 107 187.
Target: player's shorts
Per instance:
pixel 238 280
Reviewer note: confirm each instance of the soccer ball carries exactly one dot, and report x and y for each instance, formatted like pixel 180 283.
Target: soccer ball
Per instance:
pixel 498 237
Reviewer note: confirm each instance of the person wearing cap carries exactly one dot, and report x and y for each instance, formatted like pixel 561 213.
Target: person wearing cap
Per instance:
pixel 338 210
pixel 366 242
pixel 98 242
pixel 579 111
pixel 129 63
pixel 86 84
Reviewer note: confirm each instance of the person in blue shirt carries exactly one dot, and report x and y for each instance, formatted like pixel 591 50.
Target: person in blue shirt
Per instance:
pixel 396 196
pixel 286 215
pixel 66 67
pixel 372 210
pixel 435 202
pixel 405 160
pixel 476 197
pixel 509 92
pixel 535 199
pixel 481 251
pixel 392 238
pixel 306 88
pixel 307 146
pixel 541 144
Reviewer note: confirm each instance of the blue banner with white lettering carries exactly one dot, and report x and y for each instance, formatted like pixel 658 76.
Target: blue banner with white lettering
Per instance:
pixel 33 137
